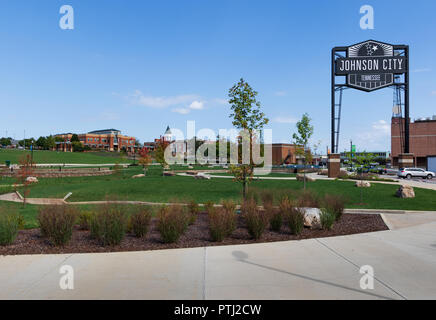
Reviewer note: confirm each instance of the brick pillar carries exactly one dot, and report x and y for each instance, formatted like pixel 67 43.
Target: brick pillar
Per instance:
pixel 334 165
pixel 406 160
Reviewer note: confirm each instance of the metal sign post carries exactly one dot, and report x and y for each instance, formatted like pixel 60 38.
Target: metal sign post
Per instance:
pixel 368 66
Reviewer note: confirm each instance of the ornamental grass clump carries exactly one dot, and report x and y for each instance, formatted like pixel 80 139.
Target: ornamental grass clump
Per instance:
pixel 222 221
pixel 140 221
pixel 109 224
pixel 256 219
pixel 294 217
pixel 84 220
pixel 56 223
pixel 275 218
pixel 193 210
pixel 172 222
pixel 9 226
pixel 209 206
pixel 327 218
pixel 308 199
pixel 335 204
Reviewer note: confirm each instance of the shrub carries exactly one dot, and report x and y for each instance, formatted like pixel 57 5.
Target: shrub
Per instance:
pixel 275 219
pixel 335 204
pixel 222 222
pixel 209 206
pixel 9 226
pixel 172 222
pixel 194 210
pixel 308 199
pixel 139 221
pixel 294 217
pixel 267 197
pixel 229 206
pixel 109 224
pixel 57 222
pixel 256 219
pixel 84 220
pixel 327 219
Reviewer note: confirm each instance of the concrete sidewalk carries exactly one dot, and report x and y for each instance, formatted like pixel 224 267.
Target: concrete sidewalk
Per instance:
pixel 404 263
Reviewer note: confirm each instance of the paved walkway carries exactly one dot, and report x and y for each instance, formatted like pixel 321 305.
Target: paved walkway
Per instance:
pixel 404 263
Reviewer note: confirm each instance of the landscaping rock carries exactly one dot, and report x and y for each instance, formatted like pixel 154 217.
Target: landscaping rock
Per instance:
pixel 323 172
pixel 405 192
pixel 138 176
pixel 363 184
pixel 32 179
pixel 300 177
pixel 202 175
pixel 169 174
pixel 312 218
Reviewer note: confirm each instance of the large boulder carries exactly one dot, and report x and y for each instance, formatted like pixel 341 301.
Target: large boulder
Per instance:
pixel 32 179
pixel 312 218
pixel 363 184
pixel 300 177
pixel 139 176
pixel 202 176
pixel 406 192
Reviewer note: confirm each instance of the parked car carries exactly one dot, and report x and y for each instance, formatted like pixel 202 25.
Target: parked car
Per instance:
pixel 408 173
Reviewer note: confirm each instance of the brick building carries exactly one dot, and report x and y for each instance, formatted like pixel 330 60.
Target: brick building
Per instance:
pixel 108 139
pixel 285 153
pixel 422 140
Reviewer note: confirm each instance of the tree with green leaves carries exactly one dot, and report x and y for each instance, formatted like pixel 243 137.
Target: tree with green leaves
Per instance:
pixel 246 116
pixel 5 141
pixel 302 138
pixel 363 159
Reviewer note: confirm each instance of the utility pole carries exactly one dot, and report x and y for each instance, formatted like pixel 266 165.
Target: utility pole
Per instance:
pixel 351 152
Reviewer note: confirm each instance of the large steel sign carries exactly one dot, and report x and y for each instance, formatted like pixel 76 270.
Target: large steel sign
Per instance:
pixel 370 65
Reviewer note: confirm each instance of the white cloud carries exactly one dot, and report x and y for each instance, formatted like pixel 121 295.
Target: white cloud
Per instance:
pixel 285 120
pixel 375 138
pixel 281 93
pixel 181 110
pixel 138 98
pixel 196 105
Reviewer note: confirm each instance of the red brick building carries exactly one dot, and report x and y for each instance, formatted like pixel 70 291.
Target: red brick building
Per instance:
pixel 285 153
pixel 108 139
pixel 422 140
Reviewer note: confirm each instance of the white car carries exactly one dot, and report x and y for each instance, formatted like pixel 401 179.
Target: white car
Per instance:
pixel 408 173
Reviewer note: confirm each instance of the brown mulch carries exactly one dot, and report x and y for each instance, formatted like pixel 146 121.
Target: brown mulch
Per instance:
pixel 197 235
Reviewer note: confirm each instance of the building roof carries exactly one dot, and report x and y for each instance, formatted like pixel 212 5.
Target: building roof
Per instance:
pixel 105 131
pixel 167 131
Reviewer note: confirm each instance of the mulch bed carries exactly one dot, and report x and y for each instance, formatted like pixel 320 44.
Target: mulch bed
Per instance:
pixel 197 235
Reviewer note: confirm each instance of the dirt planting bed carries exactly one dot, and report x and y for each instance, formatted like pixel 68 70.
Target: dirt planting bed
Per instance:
pixel 197 235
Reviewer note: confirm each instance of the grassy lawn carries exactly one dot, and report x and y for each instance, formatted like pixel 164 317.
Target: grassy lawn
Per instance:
pixel 155 188
pixel 274 174
pixel 40 156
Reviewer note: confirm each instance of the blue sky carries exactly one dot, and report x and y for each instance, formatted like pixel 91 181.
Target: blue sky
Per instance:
pixel 139 66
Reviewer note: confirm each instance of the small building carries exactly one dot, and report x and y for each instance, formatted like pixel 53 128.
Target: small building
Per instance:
pixel 285 153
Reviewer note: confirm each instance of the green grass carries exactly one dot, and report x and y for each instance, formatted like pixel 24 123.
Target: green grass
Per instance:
pixel 155 188
pixel 273 174
pixel 40 156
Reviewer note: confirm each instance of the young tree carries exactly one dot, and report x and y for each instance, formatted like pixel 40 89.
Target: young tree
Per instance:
pixel 145 159
pixel 305 132
pixel 5 141
pixel 159 153
pixel 26 170
pixel 363 159
pixel 247 116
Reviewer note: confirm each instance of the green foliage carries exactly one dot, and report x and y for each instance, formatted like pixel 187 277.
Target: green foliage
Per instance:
pixel 327 218
pixel 56 223
pixel 294 217
pixel 194 210
pixel 172 223
pixel 209 206
pixel 256 219
pixel 140 220
pixel 222 222
pixel 5 141
pixel 84 220
pixel 9 226
pixel 335 204
pixel 77 146
pixel 275 220
pixel 74 138
pixel 109 224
